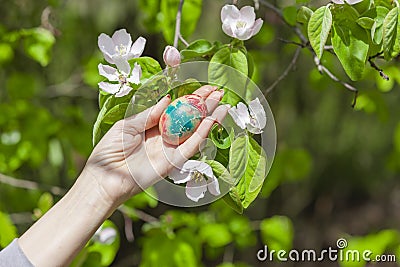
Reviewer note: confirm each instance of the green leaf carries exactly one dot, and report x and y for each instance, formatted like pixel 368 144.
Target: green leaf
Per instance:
pixel 8 230
pixel 199 48
pixel 229 69
pixel 366 22
pixel 391 34
pixel 350 43
pixel 238 156
pixel 319 27
pixel 290 15
pixel 215 234
pixel 38 43
pixel 115 114
pixel 247 163
pixel 377 243
pixel 107 250
pixel 250 63
pixel 277 232
pixel 220 137
pixel 233 200
pixel 103 96
pixel 304 14
pixel 45 202
pixel 150 10
pixel 56 156
pixel 98 132
pixel 171 252
pixel 220 171
pixel 150 66
pixel 187 87
pixel 6 53
pixel 191 12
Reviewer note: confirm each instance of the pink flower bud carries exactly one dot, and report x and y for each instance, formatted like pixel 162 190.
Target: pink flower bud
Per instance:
pixel 171 56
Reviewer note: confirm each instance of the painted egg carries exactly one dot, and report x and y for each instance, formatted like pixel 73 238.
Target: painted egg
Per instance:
pixel 181 118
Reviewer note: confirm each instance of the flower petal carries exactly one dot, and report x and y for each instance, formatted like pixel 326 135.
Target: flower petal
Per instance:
pixel 213 186
pixel 108 72
pixel 240 115
pixel 137 48
pixel 205 169
pixel 353 2
pixel 136 74
pixel 179 176
pixel 123 91
pixel 106 46
pixel 191 165
pixel 247 15
pixel 110 88
pixel 227 28
pixel 257 26
pixel 339 2
pixel 258 114
pixel 122 64
pixel 243 33
pixel 196 189
pixel 229 12
pixel 122 38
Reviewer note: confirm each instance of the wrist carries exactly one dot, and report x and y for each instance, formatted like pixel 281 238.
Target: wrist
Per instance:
pixel 95 197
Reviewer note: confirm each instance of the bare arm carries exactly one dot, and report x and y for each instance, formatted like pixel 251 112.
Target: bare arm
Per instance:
pixel 110 178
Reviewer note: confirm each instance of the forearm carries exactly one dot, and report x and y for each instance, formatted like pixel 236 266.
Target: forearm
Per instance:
pixel 56 238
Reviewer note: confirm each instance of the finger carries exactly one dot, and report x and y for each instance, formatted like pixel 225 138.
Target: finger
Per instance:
pixel 213 99
pixel 147 118
pixel 205 91
pixel 191 146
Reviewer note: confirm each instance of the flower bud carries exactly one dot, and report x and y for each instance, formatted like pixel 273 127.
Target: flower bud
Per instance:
pixel 171 56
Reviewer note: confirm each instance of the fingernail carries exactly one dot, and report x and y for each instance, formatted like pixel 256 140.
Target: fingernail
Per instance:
pixel 214 88
pixel 168 96
pixel 222 92
pixel 227 106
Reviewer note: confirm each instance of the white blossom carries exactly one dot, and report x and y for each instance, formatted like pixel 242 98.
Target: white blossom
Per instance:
pixel 118 49
pixel 171 56
pixel 122 80
pixel 198 177
pixel 350 2
pixel 240 24
pixel 252 118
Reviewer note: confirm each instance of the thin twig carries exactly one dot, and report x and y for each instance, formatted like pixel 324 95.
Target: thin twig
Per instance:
pixel 128 228
pixel 322 69
pixel 286 72
pixel 183 40
pixel 374 66
pixel 229 253
pixel 45 21
pixel 30 185
pixel 178 23
pixel 124 209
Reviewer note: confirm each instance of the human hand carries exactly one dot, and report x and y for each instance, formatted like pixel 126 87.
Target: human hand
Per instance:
pixel 132 155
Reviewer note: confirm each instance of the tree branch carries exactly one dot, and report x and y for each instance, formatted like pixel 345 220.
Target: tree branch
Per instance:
pixel 374 66
pixel 286 72
pixel 30 185
pixel 124 209
pixel 305 44
pixel 178 24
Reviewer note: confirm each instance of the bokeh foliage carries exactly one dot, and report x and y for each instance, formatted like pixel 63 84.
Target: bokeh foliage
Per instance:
pixel 336 172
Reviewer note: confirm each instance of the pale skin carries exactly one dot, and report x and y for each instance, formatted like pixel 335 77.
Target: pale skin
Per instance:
pixel 110 178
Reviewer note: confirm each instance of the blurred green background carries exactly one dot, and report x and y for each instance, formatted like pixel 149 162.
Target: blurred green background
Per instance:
pixel 336 171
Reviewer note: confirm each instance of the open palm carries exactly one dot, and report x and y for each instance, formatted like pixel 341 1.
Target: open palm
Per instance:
pixel 132 155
